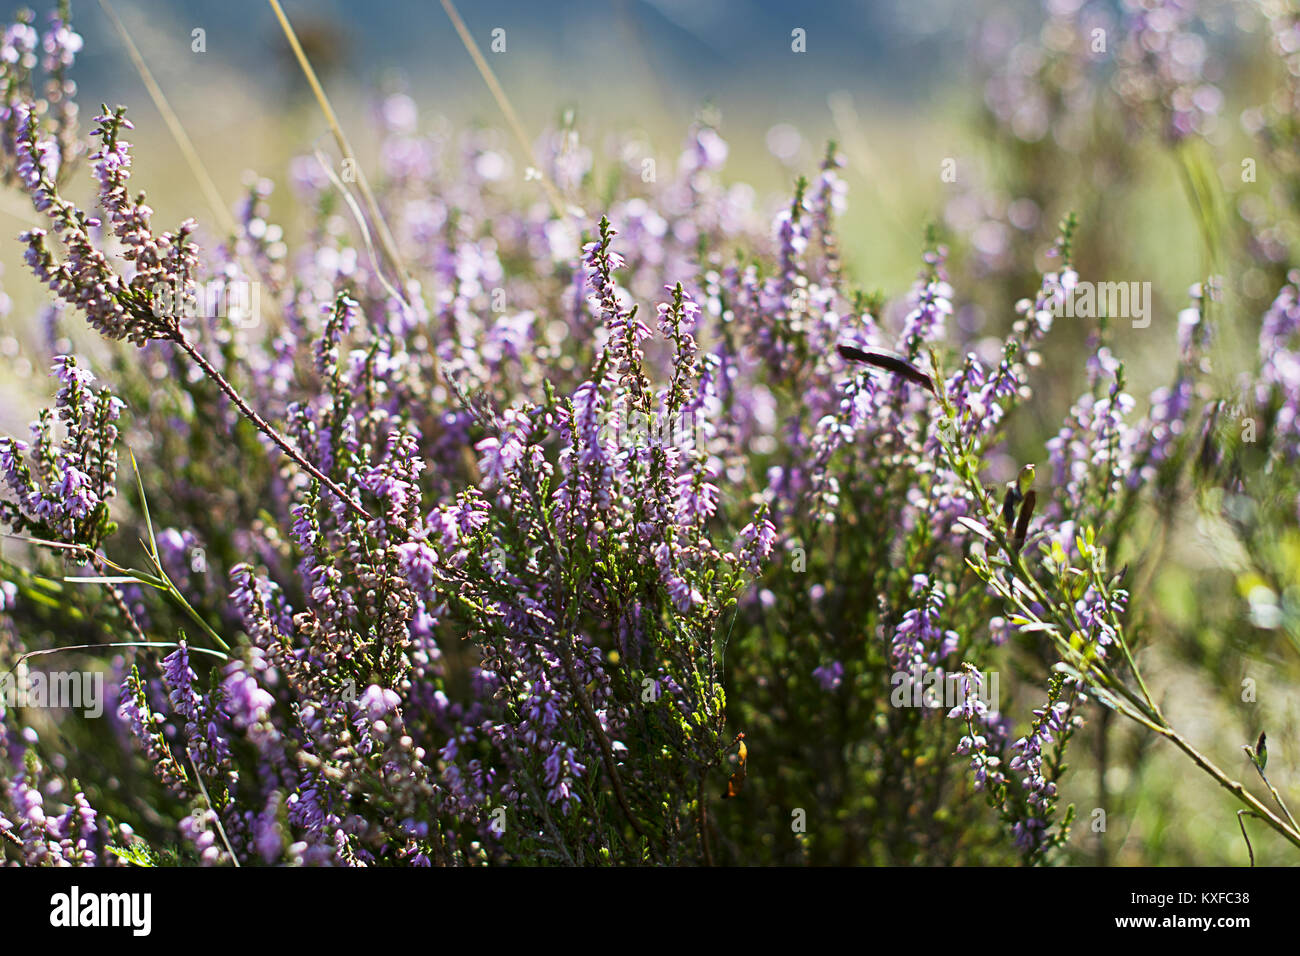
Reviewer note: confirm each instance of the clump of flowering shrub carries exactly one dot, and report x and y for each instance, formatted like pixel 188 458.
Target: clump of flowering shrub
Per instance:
pixel 563 531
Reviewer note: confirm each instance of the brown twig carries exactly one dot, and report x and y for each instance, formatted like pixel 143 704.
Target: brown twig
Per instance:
pixel 1241 822
pixel 606 750
pixel 263 426
pixel 1232 786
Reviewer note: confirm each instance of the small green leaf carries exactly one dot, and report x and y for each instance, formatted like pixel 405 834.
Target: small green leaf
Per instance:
pixel 1026 479
pixel 972 525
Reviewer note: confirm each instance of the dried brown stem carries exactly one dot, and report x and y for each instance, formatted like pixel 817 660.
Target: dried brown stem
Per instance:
pixel 606 749
pixel 263 426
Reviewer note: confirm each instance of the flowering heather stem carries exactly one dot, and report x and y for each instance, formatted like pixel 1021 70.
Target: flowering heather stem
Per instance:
pixel 263 426
pixel 216 817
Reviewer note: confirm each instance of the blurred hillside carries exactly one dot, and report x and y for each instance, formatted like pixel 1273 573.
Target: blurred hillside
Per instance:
pixel 643 64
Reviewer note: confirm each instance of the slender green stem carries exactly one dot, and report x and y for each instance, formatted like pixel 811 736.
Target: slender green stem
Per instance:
pixel 216 817
pixel 1233 786
pixel 1276 796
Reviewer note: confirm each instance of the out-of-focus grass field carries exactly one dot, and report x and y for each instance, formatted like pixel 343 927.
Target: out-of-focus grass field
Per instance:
pixel 898 97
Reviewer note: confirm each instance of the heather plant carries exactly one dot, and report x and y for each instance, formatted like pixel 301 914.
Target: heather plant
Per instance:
pixel 450 553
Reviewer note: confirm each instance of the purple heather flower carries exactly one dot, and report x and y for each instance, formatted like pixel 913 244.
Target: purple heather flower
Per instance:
pixel 829 676
pixel 379 702
pixel 419 562
pixel 697 498
pixel 180 680
pixel 918 638
pixel 244 701
pixel 757 540
pixel 499 458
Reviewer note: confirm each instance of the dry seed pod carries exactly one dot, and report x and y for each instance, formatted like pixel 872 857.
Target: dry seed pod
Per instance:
pixel 890 362
pixel 1022 523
